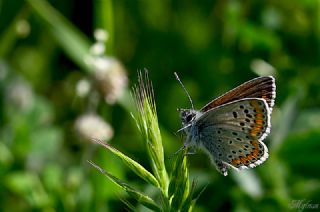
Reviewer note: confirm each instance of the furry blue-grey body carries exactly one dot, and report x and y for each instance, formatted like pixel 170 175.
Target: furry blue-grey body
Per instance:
pixel 188 117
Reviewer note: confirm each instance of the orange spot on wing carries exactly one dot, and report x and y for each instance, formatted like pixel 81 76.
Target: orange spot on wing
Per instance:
pixel 258 119
pixel 252 155
pixel 235 162
pixel 255 152
pixel 244 159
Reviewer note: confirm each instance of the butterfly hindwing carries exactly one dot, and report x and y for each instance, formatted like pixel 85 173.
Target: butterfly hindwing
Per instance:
pixel 232 133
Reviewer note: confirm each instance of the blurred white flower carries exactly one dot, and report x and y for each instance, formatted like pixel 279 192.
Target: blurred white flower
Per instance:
pixel 19 93
pixel 110 75
pixel 91 126
pixel 102 65
pixel 108 71
pixel 83 87
pixel 101 35
pixel 97 48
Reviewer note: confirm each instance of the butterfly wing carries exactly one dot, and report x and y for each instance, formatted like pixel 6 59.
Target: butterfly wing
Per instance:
pixel 231 134
pixel 261 87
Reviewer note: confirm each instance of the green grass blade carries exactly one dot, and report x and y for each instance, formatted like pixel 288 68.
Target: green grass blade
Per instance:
pixel 140 197
pixel 133 165
pixel 190 202
pixel 179 184
pixel 104 19
pixel 128 204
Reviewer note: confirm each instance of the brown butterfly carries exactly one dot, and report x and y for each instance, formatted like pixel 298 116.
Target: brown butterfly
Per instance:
pixel 230 128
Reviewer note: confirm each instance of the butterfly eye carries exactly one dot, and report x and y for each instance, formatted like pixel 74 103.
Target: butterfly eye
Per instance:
pixel 189 117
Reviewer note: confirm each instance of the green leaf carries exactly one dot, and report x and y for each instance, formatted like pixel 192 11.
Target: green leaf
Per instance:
pixel 179 184
pixel 190 202
pixel 128 204
pixel 133 165
pixel 140 197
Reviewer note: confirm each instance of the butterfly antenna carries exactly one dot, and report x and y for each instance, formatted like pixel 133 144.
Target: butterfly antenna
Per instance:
pixel 184 88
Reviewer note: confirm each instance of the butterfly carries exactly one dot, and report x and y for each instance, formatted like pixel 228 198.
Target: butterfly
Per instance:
pixel 231 128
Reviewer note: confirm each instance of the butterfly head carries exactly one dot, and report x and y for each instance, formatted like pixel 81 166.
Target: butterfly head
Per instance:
pixel 187 116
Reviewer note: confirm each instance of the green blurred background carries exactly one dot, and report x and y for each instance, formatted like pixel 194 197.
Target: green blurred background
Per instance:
pixel 49 88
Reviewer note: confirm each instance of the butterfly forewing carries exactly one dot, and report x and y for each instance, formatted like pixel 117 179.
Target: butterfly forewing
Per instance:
pixel 261 87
